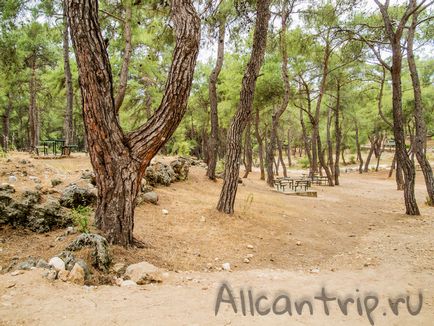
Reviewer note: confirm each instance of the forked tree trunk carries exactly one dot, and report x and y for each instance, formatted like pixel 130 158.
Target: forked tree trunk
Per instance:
pixel 420 137
pixel 260 145
pixel 119 160
pixel 239 121
pixel 248 152
pixel 68 128
pixel 214 136
pixel 371 152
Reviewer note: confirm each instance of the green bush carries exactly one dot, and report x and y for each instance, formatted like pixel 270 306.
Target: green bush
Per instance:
pixel 352 159
pixel 304 162
pixel 80 216
pixel 220 167
pixel 3 154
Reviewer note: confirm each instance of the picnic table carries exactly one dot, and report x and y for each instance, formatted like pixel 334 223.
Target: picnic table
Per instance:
pixel 57 146
pixel 291 183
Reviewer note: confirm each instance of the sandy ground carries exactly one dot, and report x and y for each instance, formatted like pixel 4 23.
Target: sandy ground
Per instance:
pixel 353 240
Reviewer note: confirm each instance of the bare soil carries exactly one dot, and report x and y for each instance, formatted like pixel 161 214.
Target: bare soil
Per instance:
pixel 350 237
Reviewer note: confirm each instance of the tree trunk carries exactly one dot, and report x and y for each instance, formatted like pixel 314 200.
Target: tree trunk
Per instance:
pixel 123 77
pixel 338 133
pixel 359 151
pixel 260 145
pixel 33 116
pixel 420 137
pixel 394 34
pixel 329 143
pixel 119 160
pixel 248 153
pixel 233 146
pixel 371 151
pixel 5 123
pixel 283 105
pixel 307 147
pixel 288 150
pixel 280 152
pixel 214 139
pixel 323 162
pixel 68 128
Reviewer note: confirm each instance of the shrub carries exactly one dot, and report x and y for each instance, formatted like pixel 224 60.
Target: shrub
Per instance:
pixel 304 162
pixel 80 216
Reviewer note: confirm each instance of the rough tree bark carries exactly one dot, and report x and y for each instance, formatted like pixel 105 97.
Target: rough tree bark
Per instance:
pixel 420 137
pixel 68 128
pixel 284 104
pixel 119 160
pixel 248 153
pixel 123 77
pixel 373 141
pixel 394 34
pixel 338 133
pixel 280 155
pixel 329 143
pixel 214 135
pixel 260 145
pixel 233 146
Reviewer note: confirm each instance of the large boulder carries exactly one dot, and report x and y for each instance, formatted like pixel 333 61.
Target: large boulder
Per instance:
pixel 47 216
pixel 7 188
pixel 74 196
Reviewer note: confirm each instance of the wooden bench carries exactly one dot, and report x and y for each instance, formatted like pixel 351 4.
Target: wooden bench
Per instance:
pixel 66 149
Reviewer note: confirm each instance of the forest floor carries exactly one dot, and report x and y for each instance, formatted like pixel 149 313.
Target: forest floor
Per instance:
pixel 353 239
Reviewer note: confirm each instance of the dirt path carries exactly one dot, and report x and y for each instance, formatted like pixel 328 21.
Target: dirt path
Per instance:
pixel 352 237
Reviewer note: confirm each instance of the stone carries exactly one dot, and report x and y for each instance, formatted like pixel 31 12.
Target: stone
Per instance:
pixel 12 179
pixel 226 266
pixel 31 197
pixel 47 216
pixel 165 212
pixel 246 260
pixel 34 179
pixel 63 275
pixel 23 161
pixel 56 182
pixel 203 219
pixel 148 197
pixel 77 275
pixel 57 263
pixel 101 256
pixel 7 188
pixel 145 188
pixel 119 268
pixel 74 196
pixel 70 230
pixel 16 273
pixel 298 243
pixel 249 247
pixel 143 273
pixel 89 175
pixel 159 174
pixel 51 275
pixel 42 264
pixel 181 168
pixel 27 265
pixel 127 283
pixel 249 256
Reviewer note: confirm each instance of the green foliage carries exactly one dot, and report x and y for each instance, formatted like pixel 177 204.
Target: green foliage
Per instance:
pixel 80 217
pixel 304 162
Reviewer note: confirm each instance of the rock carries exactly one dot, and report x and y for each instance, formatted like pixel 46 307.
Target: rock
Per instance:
pixel 101 256
pixel 34 179
pixel 57 263
pixel 63 275
pixel 70 230
pixel 23 162
pixel 249 256
pixel 159 174
pixel 51 275
pixel 77 275
pixel 56 182
pixel 12 179
pixel 149 197
pixel 86 269
pixel 7 188
pixel 16 273
pixel 249 247
pixel 89 175
pixel 298 243
pixel 209 266
pixel 181 168
pixel 27 265
pixel 246 260
pixel 47 216
pixel 43 264
pixel 145 188
pixel 128 283
pixel 74 196
pixel 143 273
pixel 314 270
pixel 31 197
pixel 203 219
pixel 119 268
pixel 226 266
pixel 68 258
pixel 165 212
